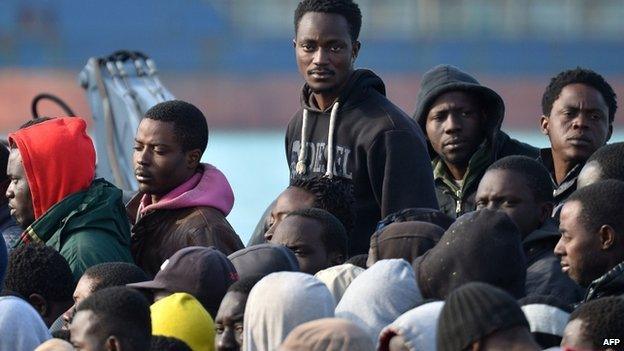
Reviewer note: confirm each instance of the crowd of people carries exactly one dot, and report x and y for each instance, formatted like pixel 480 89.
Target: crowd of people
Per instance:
pixel 431 232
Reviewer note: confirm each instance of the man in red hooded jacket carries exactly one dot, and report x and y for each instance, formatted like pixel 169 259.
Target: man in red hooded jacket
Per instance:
pixel 54 197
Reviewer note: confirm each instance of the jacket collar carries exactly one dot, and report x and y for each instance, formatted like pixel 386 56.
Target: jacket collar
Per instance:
pixel 569 181
pixel 610 284
pixel 477 165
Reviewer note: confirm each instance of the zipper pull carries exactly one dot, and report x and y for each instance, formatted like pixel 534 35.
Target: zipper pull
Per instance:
pixel 458 204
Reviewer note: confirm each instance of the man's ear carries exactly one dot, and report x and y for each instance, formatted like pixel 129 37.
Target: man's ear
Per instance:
pixel 40 304
pixel 294 42
pixel 113 344
pixel 607 237
pixel 193 158
pixel 355 51
pixel 544 120
pixel 610 132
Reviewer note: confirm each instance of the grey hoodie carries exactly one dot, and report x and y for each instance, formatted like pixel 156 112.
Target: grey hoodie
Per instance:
pixel 21 327
pixel 418 327
pixel 379 295
pixel 280 302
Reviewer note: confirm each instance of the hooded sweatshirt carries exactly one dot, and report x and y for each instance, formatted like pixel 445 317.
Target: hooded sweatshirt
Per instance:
pixel 406 240
pixel 482 246
pixel 82 218
pixel 181 316
pixel 544 275
pixel 418 327
pixel 263 259
pixel 21 327
pixel 338 278
pixel 327 334
pixel 279 303
pixel 379 295
pixel 454 199
pixel 192 214
pixel 366 138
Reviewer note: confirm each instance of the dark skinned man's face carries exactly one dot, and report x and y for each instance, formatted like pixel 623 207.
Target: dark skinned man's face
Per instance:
pixel 578 123
pixel 229 322
pixel 324 51
pixel 454 127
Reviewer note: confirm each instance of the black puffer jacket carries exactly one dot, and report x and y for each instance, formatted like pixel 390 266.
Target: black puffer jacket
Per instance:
pixel 455 201
pixel 610 284
pixel 544 275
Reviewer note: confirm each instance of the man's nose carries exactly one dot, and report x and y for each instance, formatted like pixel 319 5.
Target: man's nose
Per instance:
pixel 320 57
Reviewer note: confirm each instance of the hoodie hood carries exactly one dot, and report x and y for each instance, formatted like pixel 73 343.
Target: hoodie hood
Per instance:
pixel 353 94
pixel 338 278
pixel 208 187
pixel 444 78
pixel 327 334
pixel 181 316
pixel 21 327
pixel 279 303
pixel 372 305
pixel 264 259
pixel 482 246
pixel 406 240
pixel 418 327
pixel 59 147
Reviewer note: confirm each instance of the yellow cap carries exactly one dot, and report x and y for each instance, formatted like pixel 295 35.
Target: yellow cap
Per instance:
pixel 181 316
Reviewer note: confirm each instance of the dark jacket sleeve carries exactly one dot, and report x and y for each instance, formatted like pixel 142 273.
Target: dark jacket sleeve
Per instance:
pixel 400 172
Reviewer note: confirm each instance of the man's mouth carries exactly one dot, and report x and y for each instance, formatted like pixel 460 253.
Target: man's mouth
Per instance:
pixel 142 177
pixel 565 268
pixel 579 141
pixel 321 74
pixel 454 144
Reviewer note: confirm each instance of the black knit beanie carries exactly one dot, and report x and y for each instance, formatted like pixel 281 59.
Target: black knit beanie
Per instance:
pixel 474 311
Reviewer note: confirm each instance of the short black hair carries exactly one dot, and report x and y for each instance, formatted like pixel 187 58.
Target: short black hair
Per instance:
pixel 110 274
pixel 168 343
pixel 581 76
pixel 334 195
pixel 334 235
pixel 189 123
pixel 534 173
pixel 245 285
pixel 32 122
pixel 358 260
pixel 418 214
pixel 122 312
pixel 39 269
pixel 611 160
pixel 345 8
pixel 602 319
pixel 601 204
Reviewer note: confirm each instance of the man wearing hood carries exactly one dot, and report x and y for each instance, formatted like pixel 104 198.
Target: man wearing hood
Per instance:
pixel 181 202
pixel 347 127
pixel 521 187
pixel 578 109
pixel 462 119
pixel 52 194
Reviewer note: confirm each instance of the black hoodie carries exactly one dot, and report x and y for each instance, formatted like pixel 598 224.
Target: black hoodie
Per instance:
pixel 454 200
pixel 374 143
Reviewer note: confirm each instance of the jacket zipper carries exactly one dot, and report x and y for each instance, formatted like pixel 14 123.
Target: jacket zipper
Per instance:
pixel 458 204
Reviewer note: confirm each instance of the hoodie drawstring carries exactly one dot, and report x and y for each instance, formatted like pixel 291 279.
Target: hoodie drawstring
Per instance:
pixel 301 162
pixel 330 141
pixel 301 166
